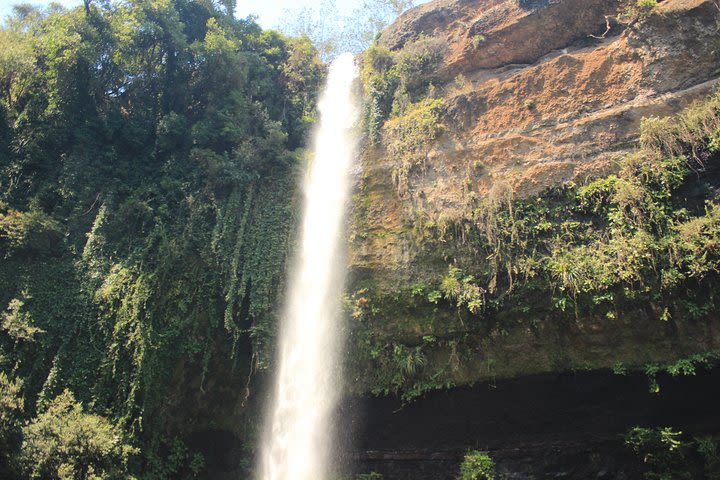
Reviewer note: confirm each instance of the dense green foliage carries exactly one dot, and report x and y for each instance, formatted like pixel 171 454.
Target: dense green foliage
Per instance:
pixel 149 152
pixel 394 81
pixel 642 242
pixel 67 443
pixel 477 465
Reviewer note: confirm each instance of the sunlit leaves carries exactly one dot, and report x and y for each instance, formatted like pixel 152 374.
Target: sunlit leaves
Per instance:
pixel 65 442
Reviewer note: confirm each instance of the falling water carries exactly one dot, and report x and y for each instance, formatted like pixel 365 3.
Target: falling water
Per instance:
pixel 299 439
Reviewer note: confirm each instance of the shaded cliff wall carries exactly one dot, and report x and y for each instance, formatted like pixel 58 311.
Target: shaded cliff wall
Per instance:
pixel 571 426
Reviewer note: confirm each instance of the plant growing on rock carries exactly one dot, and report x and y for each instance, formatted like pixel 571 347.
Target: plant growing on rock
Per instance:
pixel 394 81
pixel 637 10
pixel 641 239
pixel 477 465
pixel 661 449
pixel 462 290
pixel 669 455
pixel 408 138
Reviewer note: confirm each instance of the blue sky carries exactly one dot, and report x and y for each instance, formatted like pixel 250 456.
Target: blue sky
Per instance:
pixel 6 5
pixel 269 12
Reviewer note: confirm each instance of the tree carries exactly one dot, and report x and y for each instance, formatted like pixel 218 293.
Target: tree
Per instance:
pixel 333 33
pixel 66 443
pixel 380 13
pixel 16 64
pixel 11 407
pixel 321 24
pixel 149 154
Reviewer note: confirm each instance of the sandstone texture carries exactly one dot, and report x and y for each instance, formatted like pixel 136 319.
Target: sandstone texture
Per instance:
pixel 536 94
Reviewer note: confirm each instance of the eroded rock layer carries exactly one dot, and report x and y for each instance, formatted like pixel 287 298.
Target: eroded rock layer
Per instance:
pixel 542 98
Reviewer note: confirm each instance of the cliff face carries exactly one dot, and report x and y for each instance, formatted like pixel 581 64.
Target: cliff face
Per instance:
pixel 542 102
pixel 533 178
pixel 569 427
pixel 521 97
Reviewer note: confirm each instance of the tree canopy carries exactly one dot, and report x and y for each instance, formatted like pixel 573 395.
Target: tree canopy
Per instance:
pixel 149 151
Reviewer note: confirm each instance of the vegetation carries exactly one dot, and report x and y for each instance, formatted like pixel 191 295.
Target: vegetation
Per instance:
pixel 637 10
pixel 11 409
pixel 396 82
pixel 639 243
pixel 410 136
pixel 477 465
pixel 65 442
pixel 687 366
pixel 667 454
pixel 333 32
pixel 149 151
pixel 369 476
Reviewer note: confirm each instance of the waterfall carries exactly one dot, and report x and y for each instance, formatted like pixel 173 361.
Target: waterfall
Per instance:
pixel 298 441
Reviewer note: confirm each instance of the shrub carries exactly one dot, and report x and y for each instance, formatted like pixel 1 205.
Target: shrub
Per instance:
pixel 661 449
pixel 597 195
pixel 17 323
pixel 691 130
pixel 65 442
pixel 33 230
pixel 417 60
pixel 463 290
pixel 409 137
pixel 477 40
pixel 477 465
pixel 377 59
pixel 638 10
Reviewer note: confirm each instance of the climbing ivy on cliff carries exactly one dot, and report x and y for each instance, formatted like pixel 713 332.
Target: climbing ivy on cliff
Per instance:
pixel 149 152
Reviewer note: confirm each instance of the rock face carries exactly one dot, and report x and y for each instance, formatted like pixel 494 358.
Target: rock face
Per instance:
pixel 538 94
pixel 510 32
pixel 528 95
pixel 570 427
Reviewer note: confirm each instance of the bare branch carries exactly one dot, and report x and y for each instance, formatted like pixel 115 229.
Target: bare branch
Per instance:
pixel 607 30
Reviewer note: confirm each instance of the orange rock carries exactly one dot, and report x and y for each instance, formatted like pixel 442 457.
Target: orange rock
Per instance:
pixel 542 103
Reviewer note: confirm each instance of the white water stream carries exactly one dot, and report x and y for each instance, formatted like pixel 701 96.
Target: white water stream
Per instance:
pixel 299 439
